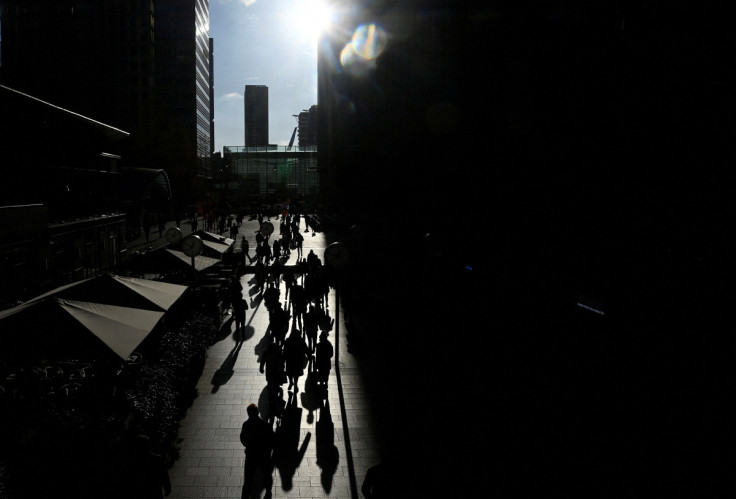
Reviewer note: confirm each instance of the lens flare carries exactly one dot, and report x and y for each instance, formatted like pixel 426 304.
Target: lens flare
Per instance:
pixel 367 43
pixel 369 40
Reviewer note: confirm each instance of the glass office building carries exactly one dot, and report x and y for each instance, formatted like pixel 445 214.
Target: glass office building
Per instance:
pixel 183 72
pixel 259 172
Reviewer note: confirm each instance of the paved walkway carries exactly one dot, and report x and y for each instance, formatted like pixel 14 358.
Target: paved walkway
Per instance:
pixel 331 447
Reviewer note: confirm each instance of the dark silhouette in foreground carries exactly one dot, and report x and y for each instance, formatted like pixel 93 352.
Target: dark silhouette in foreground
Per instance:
pixel 258 439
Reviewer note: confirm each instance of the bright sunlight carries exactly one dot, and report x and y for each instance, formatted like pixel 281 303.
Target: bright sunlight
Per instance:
pixel 310 18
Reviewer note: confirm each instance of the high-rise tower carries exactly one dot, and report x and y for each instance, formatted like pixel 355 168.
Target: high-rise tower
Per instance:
pixel 256 115
pixel 183 72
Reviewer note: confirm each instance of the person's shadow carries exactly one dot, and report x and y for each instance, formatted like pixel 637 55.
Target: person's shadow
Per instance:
pixel 327 454
pixel 262 345
pixel 225 372
pixel 225 329
pixel 311 396
pixel 287 453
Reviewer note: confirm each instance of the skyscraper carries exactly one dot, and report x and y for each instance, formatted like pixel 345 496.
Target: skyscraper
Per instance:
pixel 256 115
pixel 183 73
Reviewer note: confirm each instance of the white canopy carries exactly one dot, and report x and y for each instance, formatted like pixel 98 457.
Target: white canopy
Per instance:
pixel 120 311
pixel 122 329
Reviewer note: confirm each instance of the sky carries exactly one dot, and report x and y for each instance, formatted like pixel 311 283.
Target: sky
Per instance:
pixel 263 42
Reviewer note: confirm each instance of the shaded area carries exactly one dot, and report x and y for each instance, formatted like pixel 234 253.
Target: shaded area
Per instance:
pixel 67 428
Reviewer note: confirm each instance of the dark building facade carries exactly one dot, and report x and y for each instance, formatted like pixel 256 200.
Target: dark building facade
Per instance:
pixel 96 58
pixel 62 214
pixel 142 66
pixel 75 74
pixel 585 143
pixel 256 115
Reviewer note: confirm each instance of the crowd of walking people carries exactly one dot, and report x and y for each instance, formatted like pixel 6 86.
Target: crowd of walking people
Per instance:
pixel 297 335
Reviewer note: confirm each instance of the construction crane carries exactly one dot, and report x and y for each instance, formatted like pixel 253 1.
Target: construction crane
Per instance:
pixel 293 134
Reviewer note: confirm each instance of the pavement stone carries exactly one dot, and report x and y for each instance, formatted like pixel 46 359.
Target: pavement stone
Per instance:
pixel 210 463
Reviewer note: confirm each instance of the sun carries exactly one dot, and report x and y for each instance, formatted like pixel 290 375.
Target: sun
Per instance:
pixel 310 18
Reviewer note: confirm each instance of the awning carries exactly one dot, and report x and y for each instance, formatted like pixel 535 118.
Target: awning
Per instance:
pixel 122 329
pixel 200 262
pixel 120 312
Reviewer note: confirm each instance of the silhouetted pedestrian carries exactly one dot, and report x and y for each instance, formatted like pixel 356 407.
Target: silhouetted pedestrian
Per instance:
pixel 323 359
pixel 278 324
pixel 260 273
pixel 239 308
pixel 266 251
pixel 298 302
pixel 311 327
pixel 276 270
pixel 258 439
pixel 245 248
pixel 276 249
pixel 296 354
pixel 299 243
pixel 312 259
pixel 289 279
pixel 235 289
pixel 271 296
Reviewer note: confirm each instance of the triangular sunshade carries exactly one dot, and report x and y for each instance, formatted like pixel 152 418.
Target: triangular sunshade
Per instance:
pixel 200 262
pixel 161 293
pixel 217 247
pixel 122 329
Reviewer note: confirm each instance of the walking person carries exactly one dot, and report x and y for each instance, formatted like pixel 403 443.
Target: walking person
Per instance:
pixel 296 354
pixel 235 289
pixel 298 304
pixel 273 362
pixel 267 255
pixel 289 279
pixel 276 270
pixel 271 296
pixel 245 248
pixel 239 308
pixel 258 439
pixel 323 359
pixel 278 324
pixel 311 327
pixel 276 248
pixel 260 273
pixel 299 243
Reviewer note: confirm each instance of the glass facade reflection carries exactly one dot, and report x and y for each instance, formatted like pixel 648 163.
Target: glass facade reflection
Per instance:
pixel 258 172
